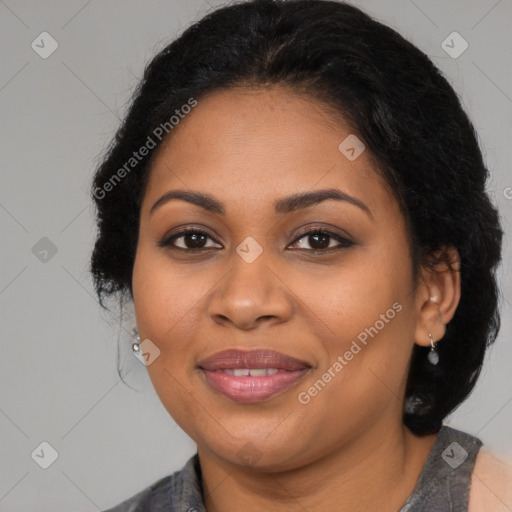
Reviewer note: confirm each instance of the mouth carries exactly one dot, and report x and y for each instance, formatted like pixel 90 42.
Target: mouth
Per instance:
pixel 252 376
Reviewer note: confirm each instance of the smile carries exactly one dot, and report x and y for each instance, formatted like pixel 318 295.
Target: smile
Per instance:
pixel 252 388
pixel 252 376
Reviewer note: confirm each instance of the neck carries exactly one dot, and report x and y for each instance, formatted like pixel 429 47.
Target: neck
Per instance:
pixel 376 471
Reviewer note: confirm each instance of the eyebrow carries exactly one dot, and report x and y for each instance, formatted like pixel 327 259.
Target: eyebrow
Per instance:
pixel 283 205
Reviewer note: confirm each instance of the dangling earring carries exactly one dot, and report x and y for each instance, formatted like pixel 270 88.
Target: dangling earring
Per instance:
pixel 136 345
pixel 433 355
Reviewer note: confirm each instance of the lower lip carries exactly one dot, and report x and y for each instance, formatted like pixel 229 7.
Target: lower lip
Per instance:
pixel 252 389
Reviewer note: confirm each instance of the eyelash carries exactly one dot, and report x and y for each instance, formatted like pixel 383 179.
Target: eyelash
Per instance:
pixel 344 243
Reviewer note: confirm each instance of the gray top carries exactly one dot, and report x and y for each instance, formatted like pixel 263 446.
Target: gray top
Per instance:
pixel 443 485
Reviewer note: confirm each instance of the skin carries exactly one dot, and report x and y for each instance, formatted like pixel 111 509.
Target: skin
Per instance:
pixel 347 447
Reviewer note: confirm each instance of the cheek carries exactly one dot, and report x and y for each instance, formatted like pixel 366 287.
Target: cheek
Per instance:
pixel 166 302
pixel 166 298
pixel 366 332
pixel 353 297
pixel 363 372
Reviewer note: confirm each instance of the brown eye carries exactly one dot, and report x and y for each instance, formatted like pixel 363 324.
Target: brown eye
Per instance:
pixel 321 240
pixel 189 240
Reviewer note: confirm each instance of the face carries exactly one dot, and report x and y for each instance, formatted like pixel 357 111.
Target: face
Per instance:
pixel 325 281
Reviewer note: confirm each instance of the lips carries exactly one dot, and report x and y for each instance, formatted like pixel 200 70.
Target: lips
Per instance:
pixel 252 376
pixel 232 359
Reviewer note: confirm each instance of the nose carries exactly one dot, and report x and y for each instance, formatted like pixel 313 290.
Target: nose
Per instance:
pixel 250 295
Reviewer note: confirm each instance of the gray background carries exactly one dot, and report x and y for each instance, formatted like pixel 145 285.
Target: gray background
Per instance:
pixel 58 375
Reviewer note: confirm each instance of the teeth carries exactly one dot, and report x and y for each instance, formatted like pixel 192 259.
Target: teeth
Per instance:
pixel 258 372
pixel 253 372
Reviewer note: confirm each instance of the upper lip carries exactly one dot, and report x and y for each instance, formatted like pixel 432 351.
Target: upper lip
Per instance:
pixel 256 358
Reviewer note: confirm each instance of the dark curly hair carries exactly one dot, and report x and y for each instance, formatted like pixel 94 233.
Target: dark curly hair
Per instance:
pixel 394 99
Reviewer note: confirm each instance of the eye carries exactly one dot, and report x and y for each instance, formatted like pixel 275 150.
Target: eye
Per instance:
pixel 320 240
pixel 189 240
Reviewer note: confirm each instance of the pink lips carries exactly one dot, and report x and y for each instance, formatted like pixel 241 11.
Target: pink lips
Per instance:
pixel 252 376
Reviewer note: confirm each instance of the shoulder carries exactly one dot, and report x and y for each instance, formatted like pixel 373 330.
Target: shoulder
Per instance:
pixel 172 493
pixel 491 484
pixel 142 501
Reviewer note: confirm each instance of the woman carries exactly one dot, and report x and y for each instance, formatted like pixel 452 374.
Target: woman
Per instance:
pixel 295 204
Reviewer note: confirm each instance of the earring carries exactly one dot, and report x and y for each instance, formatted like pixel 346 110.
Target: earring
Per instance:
pixel 136 345
pixel 433 355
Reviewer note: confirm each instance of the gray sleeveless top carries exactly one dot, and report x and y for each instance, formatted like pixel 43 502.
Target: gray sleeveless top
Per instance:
pixel 443 485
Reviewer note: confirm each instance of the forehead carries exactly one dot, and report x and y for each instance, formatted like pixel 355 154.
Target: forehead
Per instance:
pixel 255 145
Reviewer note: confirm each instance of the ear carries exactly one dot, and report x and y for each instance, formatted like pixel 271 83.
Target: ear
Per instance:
pixel 437 296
